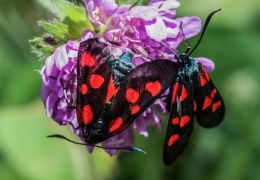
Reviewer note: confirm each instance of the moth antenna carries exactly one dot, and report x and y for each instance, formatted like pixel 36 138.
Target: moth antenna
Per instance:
pixel 126 148
pixel 176 54
pixel 204 30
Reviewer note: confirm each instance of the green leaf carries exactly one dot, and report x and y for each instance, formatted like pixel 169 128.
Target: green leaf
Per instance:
pixel 58 30
pixel 71 23
pixel 75 29
pixel 64 10
pixel 40 47
pixel 26 153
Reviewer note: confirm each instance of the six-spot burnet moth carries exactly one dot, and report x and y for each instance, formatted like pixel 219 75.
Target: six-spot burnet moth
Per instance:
pixel 192 95
pixel 111 94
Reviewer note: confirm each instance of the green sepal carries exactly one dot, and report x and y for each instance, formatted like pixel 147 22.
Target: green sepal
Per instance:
pixel 58 30
pixel 64 9
pixel 69 14
pixel 71 22
pixel 41 48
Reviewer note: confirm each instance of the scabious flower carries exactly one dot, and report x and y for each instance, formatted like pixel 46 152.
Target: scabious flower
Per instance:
pixel 149 32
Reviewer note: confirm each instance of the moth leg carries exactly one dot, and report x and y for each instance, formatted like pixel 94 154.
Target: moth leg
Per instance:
pixel 65 94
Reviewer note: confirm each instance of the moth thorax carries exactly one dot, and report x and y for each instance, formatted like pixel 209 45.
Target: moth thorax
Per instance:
pixel 189 70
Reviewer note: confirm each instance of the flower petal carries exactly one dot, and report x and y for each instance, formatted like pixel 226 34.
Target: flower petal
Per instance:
pixel 191 26
pixel 165 5
pixel 148 118
pixel 123 139
pixel 146 13
pixel 108 6
pixel 209 64
pixel 157 31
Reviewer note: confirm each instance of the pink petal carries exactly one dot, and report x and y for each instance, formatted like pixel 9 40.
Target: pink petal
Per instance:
pixel 157 31
pixel 191 26
pixel 209 64
pixel 123 139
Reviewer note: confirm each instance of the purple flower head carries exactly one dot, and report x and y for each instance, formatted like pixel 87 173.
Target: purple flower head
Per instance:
pixel 149 32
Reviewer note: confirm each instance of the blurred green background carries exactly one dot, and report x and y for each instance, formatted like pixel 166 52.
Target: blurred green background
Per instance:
pixel 230 151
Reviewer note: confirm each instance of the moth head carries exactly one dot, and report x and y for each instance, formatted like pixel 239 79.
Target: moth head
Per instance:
pixel 183 59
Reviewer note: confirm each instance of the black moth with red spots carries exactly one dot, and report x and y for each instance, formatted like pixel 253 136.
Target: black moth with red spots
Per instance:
pixel 111 93
pixel 192 94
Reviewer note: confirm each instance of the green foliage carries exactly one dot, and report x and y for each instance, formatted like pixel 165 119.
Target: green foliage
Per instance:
pixel 72 21
pixel 59 30
pixel 40 47
pixel 63 9
pixel 26 152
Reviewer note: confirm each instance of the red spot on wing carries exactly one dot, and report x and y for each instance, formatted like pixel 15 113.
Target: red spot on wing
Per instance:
pixel 203 80
pixel 115 124
pixel 174 92
pixel 112 90
pixel 174 138
pixel 96 81
pixel 132 95
pixel 216 105
pixel 207 103
pixel 175 121
pixel 184 93
pixel 206 73
pixel 153 87
pixel 84 89
pixel 87 60
pixel 87 114
pixel 135 109
pixel 184 120
pixel 195 106
pixel 204 77
pixel 213 93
